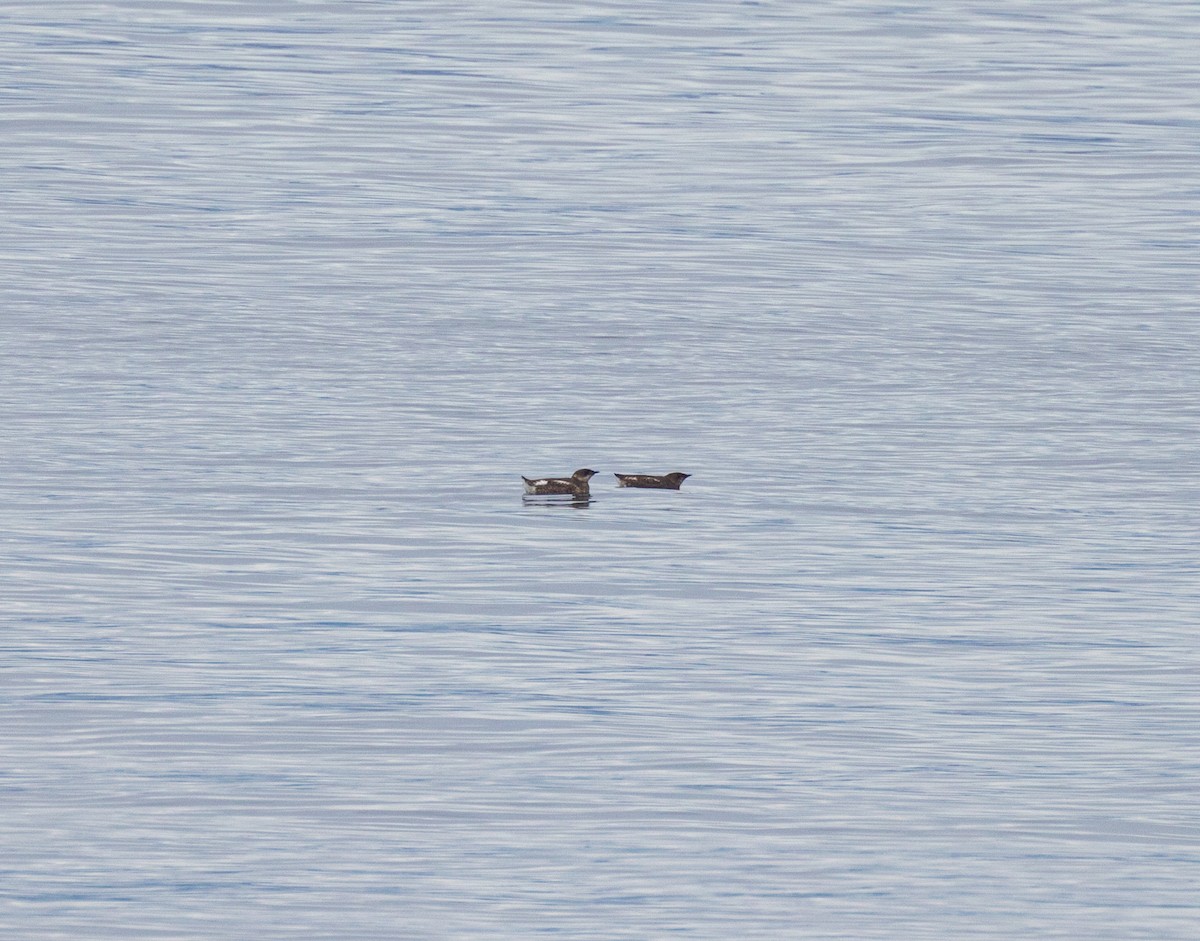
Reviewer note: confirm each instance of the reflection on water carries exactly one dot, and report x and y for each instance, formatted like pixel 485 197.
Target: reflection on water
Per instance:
pixel 556 499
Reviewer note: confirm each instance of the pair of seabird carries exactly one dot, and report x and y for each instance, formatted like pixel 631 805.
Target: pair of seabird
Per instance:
pixel 577 483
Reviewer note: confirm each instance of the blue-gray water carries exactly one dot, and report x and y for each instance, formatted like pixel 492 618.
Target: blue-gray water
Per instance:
pixel 291 294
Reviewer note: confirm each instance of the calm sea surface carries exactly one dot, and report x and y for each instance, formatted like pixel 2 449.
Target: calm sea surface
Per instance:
pixel 291 294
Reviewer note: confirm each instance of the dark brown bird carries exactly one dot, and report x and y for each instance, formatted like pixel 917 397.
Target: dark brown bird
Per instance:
pixel 653 481
pixel 576 484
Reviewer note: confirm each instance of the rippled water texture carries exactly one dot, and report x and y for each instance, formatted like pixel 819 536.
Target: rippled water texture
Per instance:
pixel 292 294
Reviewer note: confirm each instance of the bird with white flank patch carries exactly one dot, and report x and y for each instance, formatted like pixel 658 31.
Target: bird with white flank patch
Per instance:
pixel 576 484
